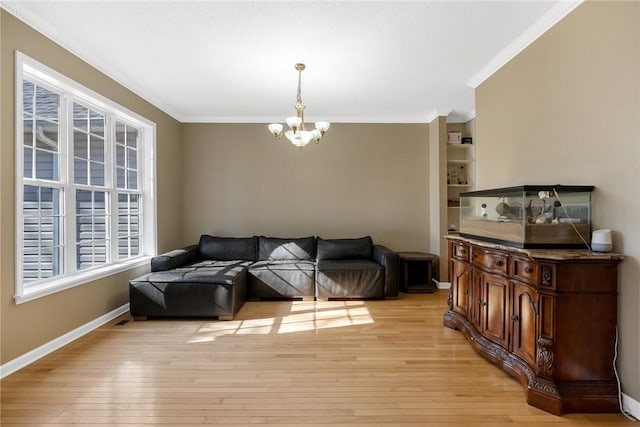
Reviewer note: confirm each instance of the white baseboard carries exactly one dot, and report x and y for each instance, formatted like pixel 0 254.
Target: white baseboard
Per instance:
pixel 442 285
pixel 38 353
pixel 631 406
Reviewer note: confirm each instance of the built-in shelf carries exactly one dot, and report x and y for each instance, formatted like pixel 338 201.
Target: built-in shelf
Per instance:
pixel 461 172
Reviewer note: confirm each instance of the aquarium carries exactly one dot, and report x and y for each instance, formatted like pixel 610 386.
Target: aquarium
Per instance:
pixel 529 216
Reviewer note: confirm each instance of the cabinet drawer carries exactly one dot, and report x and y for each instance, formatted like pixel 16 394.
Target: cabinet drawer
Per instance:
pixel 460 251
pixel 525 270
pixel 490 261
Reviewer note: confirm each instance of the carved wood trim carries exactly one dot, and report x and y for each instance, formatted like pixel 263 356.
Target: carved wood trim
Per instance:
pixel 510 363
pixel 544 357
pixel 546 388
pixel 547 276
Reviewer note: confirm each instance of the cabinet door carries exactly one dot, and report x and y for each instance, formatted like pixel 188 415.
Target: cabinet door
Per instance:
pixel 524 320
pixel 460 286
pixel 476 303
pixel 495 308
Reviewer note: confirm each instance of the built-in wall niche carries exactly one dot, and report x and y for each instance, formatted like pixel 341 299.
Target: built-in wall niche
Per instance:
pixel 461 168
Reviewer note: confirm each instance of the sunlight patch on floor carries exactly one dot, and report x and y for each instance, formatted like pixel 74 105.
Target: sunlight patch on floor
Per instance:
pixel 305 316
pixel 320 305
pixel 325 319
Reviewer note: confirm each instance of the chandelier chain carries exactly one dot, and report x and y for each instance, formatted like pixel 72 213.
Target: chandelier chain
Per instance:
pixel 299 97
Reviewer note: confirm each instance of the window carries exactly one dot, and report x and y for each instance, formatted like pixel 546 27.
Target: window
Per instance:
pixel 129 195
pixel 85 183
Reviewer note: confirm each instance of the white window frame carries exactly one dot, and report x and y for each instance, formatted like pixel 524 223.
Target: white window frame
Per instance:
pixel 70 90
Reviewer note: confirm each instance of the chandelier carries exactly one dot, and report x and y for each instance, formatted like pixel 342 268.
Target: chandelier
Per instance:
pixel 297 134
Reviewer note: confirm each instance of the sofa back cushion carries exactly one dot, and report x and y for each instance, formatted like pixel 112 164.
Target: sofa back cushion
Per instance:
pixel 361 248
pixel 276 249
pixel 228 248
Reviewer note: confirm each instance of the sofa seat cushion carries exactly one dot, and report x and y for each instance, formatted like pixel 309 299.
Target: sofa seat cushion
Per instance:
pixel 208 271
pixel 283 265
pixel 281 279
pixel 350 278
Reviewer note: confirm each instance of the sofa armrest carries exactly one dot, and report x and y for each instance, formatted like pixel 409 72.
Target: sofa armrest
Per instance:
pixel 389 260
pixel 174 259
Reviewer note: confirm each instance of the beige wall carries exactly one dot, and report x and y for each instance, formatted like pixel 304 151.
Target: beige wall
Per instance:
pixel 361 179
pixel 567 110
pixel 29 325
pixel 438 195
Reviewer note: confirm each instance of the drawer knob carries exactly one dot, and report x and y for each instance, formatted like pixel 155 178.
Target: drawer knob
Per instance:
pixel 528 270
pixel 515 318
pixel 499 263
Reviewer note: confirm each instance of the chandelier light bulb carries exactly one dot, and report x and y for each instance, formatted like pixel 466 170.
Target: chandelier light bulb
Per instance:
pixel 275 129
pixel 323 126
pixel 294 122
pixel 300 138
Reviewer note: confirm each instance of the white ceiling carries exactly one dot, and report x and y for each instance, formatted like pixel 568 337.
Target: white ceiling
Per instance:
pixel 233 61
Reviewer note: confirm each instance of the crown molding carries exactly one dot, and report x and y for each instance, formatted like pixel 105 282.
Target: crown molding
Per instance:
pixel 461 116
pixel 432 115
pixel 548 20
pixel 343 119
pixel 40 25
pixel 48 31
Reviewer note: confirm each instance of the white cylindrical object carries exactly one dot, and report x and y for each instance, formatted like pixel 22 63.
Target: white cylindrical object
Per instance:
pixel 601 241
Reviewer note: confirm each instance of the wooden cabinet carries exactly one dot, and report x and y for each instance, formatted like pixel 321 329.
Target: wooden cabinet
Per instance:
pixel 476 307
pixel 546 317
pixel 524 315
pixel 494 310
pixel 460 279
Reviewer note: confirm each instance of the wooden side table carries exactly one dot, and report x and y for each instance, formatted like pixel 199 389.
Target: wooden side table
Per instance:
pixel 416 271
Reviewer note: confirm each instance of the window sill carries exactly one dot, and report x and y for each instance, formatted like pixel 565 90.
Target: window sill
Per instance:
pixel 77 279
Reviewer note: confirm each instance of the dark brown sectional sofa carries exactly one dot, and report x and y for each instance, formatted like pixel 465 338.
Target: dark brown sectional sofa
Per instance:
pixel 216 276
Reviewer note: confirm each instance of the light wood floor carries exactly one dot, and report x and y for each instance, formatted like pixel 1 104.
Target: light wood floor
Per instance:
pixel 332 363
